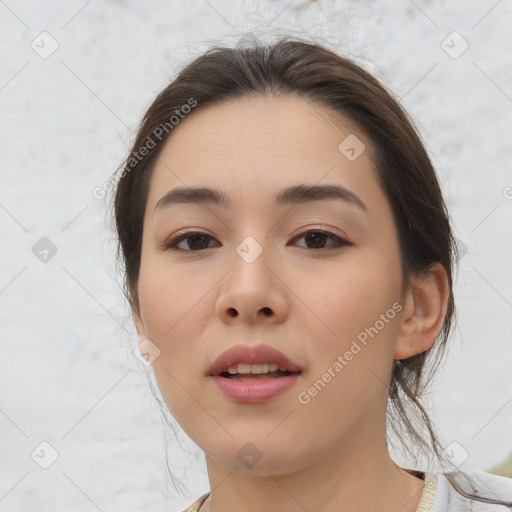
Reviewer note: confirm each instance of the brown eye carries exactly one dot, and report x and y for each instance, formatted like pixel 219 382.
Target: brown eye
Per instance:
pixel 195 241
pixel 317 239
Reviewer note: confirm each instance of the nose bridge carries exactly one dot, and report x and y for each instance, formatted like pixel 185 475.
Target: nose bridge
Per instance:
pixel 251 265
pixel 252 235
pixel 250 249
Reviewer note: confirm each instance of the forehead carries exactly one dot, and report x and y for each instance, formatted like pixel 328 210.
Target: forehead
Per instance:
pixel 255 146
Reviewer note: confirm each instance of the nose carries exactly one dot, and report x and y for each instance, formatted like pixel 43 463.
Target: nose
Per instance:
pixel 254 290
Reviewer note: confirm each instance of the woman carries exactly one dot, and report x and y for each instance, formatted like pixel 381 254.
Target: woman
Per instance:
pixel 288 261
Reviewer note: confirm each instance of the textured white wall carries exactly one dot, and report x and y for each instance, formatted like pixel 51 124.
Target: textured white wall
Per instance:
pixel 68 376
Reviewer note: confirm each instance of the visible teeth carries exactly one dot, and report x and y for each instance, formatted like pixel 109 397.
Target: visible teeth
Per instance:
pixel 255 368
pixel 260 368
pixel 244 368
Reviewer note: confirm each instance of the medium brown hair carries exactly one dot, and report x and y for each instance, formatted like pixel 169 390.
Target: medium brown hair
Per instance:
pixel 295 67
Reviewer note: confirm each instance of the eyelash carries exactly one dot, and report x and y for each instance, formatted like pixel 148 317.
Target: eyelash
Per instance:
pixel 172 242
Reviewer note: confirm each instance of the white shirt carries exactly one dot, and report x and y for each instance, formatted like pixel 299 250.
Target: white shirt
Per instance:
pixel 439 495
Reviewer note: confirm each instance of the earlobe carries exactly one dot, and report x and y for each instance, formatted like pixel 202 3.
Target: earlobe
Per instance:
pixel 425 308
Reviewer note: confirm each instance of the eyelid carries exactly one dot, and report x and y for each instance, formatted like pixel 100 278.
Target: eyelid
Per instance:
pixel 320 228
pixel 308 229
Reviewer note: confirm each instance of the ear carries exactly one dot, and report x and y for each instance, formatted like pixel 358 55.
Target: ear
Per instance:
pixel 425 304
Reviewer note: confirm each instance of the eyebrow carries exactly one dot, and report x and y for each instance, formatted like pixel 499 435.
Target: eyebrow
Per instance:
pixel 290 195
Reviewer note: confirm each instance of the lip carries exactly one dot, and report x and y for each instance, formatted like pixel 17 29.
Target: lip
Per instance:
pixel 259 354
pixel 254 390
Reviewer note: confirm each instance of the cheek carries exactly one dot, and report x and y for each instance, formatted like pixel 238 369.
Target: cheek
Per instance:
pixel 175 311
pixel 352 297
pixel 351 361
pixel 169 298
pixel 356 311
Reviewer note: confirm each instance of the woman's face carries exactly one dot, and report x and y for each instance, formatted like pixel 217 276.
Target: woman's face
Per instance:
pixel 255 277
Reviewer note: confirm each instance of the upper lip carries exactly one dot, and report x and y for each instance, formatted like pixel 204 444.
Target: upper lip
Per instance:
pixel 259 354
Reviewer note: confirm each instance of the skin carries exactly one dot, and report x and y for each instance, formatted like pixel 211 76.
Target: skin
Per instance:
pixel 330 454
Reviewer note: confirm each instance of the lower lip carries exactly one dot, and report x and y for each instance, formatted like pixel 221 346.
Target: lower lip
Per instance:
pixel 255 390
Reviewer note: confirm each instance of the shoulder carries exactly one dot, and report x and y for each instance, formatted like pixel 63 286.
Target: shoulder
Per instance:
pixel 467 490
pixel 195 506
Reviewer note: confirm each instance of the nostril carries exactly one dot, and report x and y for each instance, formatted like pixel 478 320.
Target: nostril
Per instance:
pixel 267 311
pixel 232 312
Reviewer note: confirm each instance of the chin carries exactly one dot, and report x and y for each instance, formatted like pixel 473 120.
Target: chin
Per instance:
pixel 259 458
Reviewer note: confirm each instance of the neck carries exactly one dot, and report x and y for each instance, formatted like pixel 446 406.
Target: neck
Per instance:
pixel 357 477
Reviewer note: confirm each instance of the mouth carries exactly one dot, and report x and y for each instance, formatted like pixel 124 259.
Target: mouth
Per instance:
pixel 253 362
pixel 253 374
pixel 261 376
